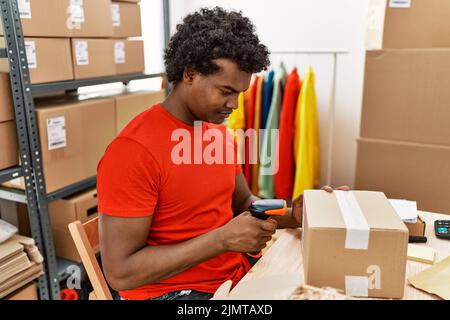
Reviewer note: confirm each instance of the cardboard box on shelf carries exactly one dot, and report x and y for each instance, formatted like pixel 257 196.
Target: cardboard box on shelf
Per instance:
pixel 9 155
pixel 93 58
pixel 64 245
pixel 126 19
pixel 129 105
pixel 412 171
pixel 74 135
pixel 6 104
pixel 408 24
pixel 406 96
pixel 81 207
pixel 65 18
pixel 17 183
pixel 354 241
pixel 27 292
pixel 49 59
pixel 93 19
pixel 129 56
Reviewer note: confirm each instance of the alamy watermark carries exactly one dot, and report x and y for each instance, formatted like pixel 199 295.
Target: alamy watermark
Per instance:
pixel 211 146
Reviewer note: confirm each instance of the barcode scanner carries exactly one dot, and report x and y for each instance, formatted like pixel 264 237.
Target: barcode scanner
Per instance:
pixel 264 209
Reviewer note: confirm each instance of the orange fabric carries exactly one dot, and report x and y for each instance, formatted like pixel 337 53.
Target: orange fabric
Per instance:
pixel 284 178
pixel 257 125
pixel 137 177
pixel 249 123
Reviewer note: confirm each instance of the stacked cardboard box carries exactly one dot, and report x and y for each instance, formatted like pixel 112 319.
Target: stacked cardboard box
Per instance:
pixel 49 59
pixel 81 207
pixel 20 263
pixel 404 143
pixel 8 133
pixel 72 138
pixel 129 105
pixel 68 39
pixel 73 141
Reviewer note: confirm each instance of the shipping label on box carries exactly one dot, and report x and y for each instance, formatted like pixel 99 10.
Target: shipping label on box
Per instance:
pixel 82 53
pixel 115 12
pixel 119 52
pixel 400 4
pixel 56 133
pixel 30 48
pixel 76 9
pixel 24 9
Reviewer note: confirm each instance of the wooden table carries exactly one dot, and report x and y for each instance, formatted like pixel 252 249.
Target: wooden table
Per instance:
pixel 284 257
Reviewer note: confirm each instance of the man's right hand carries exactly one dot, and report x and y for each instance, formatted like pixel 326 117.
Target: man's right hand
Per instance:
pixel 246 233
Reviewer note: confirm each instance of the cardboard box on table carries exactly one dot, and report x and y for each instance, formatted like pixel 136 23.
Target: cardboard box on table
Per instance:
pixel 354 241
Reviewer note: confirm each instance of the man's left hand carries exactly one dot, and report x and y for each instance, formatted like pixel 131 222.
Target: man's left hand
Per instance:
pixel 297 203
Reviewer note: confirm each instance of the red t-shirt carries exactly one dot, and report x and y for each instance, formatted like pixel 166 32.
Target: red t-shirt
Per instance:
pixel 138 177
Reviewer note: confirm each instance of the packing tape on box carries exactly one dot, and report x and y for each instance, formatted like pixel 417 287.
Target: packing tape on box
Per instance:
pixel 357 237
pixel 358 230
pixel 357 286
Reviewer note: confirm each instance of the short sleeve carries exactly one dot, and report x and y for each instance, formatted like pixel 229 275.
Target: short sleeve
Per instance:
pixel 128 180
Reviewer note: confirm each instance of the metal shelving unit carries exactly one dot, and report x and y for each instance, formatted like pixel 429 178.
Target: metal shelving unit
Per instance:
pixel 23 94
pixel 10 173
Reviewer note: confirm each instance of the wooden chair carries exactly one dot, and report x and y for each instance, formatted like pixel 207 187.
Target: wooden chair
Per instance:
pixel 86 240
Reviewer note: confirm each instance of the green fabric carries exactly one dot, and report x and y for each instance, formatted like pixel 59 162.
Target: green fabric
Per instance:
pixel 266 168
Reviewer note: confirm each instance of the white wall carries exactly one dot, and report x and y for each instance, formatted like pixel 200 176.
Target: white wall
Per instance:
pixel 299 24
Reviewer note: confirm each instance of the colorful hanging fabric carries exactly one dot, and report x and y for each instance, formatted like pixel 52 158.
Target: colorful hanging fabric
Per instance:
pixel 257 123
pixel 269 153
pixel 306 139
pixel 284 178
pixel 249 124
pixel 267 98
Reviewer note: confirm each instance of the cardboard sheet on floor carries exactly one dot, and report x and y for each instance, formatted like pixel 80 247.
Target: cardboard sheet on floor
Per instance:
pixel 434 280
pixel 21 279
pixel 13 266
pixel 9 249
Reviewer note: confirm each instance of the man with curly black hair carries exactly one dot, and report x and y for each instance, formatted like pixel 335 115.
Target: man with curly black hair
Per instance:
pixel 178 230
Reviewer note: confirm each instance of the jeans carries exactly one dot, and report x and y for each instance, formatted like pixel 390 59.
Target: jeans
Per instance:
pixel 185 295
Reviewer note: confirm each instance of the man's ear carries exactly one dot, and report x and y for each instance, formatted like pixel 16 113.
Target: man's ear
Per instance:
pixel 188 75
